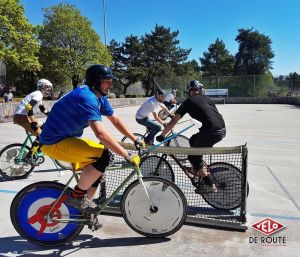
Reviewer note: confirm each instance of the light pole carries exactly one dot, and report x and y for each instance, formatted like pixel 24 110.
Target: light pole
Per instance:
pixel 104 17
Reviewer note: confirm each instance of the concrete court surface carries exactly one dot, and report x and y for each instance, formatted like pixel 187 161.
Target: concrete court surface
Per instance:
pixel 273 138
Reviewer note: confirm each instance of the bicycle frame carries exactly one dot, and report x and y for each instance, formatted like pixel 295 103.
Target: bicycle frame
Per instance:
pixel 28 138
pixel 135 171
pixel 173 135
pixel 35 153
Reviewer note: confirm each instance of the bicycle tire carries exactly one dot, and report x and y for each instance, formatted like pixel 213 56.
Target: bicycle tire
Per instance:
pixel 158 167
pixel 179 141
pixel 127 140
pixel 228 180
pixel 162 115
pixel 28 210
pixel 63 165
pixel 169 200
pixel 9 168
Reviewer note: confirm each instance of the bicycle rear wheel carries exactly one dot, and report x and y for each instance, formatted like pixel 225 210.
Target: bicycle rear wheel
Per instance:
pixel 157 166
pixel 128 140
pixel 228 180
pixel 179 141
pixel 12 164
pixel 29 209
pixel 170 207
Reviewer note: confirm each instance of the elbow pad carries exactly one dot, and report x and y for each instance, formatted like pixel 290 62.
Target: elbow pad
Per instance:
pixel 29 109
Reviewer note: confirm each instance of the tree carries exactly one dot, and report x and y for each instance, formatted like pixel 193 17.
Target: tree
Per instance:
pixel 254 54
pixel 69 44
pixel 217 60
pixel 127 61
pixel 18 45
pixel 155 54
pixel 161 55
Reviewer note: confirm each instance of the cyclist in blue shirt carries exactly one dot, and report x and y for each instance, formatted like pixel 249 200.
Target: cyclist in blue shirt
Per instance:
pixel 61 135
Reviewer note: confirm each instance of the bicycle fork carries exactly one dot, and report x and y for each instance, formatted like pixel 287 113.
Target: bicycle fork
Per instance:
pixel 153 209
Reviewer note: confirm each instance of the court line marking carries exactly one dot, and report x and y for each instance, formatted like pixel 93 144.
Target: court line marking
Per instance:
pixel 267 215
pixel 280 184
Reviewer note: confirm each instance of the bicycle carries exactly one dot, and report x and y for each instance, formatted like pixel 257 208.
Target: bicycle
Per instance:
pixel 225 176
pixel 151 206
pixel 178 141
pixel 13 162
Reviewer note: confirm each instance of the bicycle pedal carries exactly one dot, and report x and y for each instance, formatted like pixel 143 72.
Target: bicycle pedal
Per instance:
pixel 36 161
pixel 94 224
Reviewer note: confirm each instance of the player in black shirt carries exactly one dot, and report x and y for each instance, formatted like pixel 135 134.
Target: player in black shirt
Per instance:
pixel 201 108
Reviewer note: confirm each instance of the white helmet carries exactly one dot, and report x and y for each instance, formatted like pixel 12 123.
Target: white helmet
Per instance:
pixel 43 84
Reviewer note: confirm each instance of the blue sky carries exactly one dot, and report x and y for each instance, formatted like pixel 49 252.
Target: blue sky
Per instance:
pixel 199 22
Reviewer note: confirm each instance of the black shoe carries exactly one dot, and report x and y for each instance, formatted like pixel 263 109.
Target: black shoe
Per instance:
pixel 206 189
pixel 83 204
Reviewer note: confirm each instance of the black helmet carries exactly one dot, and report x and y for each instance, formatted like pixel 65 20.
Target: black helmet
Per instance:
pixel 196 85
pixel 95 73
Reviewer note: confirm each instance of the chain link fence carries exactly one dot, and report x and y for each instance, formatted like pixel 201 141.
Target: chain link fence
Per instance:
pixel 239 86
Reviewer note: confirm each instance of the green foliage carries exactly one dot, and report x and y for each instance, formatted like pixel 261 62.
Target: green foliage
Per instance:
pixel 254 54
pixel 217 60
pixel 69 44
pixel 18 45
pixel 155 54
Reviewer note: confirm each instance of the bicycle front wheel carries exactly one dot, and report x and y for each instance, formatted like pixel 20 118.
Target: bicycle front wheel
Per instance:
pixel 179 141
pixel 169 210
pixel 162 115
pixel 228 180
pixel 157 166
pixel 29 210
pixel 12 162
pixel 128 140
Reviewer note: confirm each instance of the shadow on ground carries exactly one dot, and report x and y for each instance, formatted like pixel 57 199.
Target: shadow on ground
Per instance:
pixel 17 246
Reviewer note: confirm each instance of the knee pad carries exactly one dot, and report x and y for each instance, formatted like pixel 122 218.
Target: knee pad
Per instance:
pixel 104 161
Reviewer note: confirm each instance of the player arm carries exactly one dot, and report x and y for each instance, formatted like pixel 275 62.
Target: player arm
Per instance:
pixel 43 109
pixel 106 138
pixel 171 124
pixel 29 108
pixel 120 125
pixel 165 109
pixel 157 118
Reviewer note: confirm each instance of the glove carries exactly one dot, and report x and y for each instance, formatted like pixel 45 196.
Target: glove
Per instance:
pixel 34 126
pixel 160 138
pixel 134 159
pixel 139 144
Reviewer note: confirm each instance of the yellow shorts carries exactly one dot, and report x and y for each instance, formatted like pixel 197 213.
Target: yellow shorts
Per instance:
pixel 78 151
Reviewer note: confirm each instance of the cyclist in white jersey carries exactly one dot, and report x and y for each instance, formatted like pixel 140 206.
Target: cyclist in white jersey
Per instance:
pixel 24 112
pixel 150 106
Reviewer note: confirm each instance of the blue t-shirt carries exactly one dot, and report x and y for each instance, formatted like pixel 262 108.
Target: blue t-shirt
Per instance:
pixel 70 115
